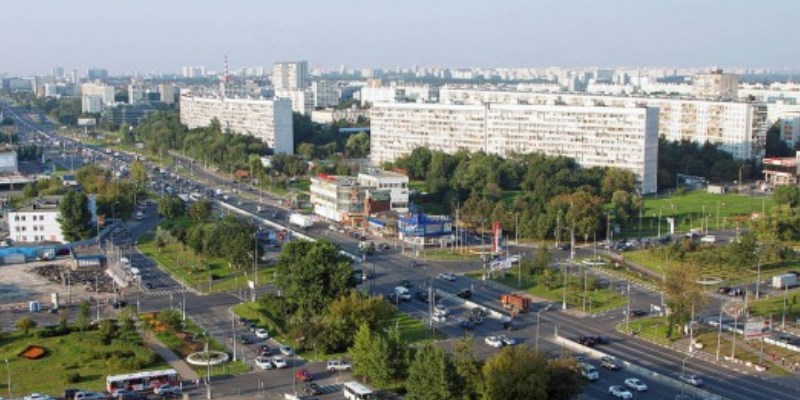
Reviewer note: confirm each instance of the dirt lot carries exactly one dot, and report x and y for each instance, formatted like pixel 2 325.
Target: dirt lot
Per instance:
pixel 19 285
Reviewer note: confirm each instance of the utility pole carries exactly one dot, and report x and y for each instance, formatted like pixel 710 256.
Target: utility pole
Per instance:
pixel 719 329
pixel 564 289
pixel 233 327
pixel 628 309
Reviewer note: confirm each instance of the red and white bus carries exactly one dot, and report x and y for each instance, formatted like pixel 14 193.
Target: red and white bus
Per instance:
pixel 142 381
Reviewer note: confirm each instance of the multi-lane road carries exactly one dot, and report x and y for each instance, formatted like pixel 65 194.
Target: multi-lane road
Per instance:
pixel 393 266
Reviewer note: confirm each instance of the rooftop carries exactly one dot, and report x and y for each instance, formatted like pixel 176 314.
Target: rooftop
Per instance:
pixel 41 204
pixel 379 173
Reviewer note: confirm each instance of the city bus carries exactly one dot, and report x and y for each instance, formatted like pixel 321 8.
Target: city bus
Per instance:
pixel 142 381
pixel 356 391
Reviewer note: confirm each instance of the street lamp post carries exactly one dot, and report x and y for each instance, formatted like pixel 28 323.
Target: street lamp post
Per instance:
pixel 564 289
pixel 8 372
pixel 536 345
pixel 683 371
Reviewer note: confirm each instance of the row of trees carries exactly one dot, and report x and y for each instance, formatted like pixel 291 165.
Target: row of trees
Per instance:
pixel 705 160
pixel 115 197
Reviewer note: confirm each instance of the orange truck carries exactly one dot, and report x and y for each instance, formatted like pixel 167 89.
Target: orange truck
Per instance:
pixel 515 302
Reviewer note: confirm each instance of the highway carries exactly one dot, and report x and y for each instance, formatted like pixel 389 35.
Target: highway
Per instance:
pixel 393 266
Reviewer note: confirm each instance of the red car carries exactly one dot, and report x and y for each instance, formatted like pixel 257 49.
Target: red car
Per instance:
pixel 303 375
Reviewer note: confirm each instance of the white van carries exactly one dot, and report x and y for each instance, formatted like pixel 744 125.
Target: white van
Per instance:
pixel 356 391
pixel 402 293
pixel 589 372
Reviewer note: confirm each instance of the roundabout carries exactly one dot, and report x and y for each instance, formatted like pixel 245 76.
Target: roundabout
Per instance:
pixel 709 281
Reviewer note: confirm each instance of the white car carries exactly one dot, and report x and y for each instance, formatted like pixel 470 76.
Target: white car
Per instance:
pixel 620 392
pixel 447 276
pixel 339 365
pixel 507 340
pixel 262 333
pixel 37 396
pixel 440 310
pixel 88 396
pixel 278 362
pixel 285 350
pixel 494 341
pixel 167 389
pixel 264 363
pixel 636 384
pixel 691 379
pixel 709 239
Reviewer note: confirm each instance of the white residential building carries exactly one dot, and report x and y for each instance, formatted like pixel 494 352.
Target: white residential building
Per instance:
pixel 397 184
pixel 91 104
pixel 326 94
pixel 104 91
pixel 623 137
pixel 716 85
pixel 268 120
pixel 290 75
pixel 38 222
pixel 302 100
pixel 135 94
pixel 738 128
pixel 167 93
pixel 399 93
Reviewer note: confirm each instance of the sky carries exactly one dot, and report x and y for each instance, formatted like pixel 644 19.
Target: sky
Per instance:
pixel 163 35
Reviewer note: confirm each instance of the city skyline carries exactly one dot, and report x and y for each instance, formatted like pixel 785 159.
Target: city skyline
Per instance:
pixel 126 38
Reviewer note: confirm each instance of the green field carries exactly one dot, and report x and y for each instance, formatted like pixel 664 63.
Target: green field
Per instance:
pixel 598 300
pixel 653 329
pixel 185 265
pixel 773 306
pixel 82 353
pixel 721 212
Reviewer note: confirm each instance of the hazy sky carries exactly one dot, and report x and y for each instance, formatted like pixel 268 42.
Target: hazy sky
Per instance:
pixel 163 35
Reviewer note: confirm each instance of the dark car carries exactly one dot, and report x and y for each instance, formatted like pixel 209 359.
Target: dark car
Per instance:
pixel 148 285
pixel 69 394
pixel 119 304
pixel 600 340
pixel 264 350
pixel 405 283
pixel 476 319
pixel 466 325
pixel 586 341
pixel 311 389
pixel 479 311
pixel 244 321
pixel 509 325
pixel 245 340
pixel 724 290
pixel 638 313
pixel 464 294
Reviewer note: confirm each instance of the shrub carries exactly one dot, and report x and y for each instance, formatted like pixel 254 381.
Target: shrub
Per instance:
pixel 73 377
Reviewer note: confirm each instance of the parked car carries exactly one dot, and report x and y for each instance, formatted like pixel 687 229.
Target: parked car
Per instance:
pixel 303 375
pixel 245 340
pixel 620 392
pixel 264 363
pixel 476 319
pixel 636 384
pixel 286 350
pixel 440 310
pixel 724 290
pixel 693 380
pixel 278 362
pixel 69 394
pixel 117 393
pixel 312 388
pixel 264 350
pixel 494 341
pixel 88 396
pixel 262 333
pixel 338 365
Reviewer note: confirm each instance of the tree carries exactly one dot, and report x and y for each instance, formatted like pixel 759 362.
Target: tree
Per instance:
pixel 432 376
pixel 616 180
pixel 307 150
pixel 313 274
pixel 467 368
pixel 563 382
pixel 82 319
pixel 380 358
pixel 361 351
pixel 542 258
pixel 682 292
pixel 74 216
pixel 138 172
pixel 347 313
pixel 25 324
pixel 171 207
pixel 787 194
pixel 516 372
pixel 357 146
pixel 30 190
pixel 775 146
pixel 200 210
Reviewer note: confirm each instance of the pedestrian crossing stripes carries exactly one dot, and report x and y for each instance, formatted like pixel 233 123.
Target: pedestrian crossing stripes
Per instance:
pixel 164 291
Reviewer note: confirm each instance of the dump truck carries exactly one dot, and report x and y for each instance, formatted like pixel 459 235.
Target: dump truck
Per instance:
pixel 515 302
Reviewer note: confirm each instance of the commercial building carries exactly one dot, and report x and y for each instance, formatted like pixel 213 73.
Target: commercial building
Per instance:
pixel 397 185
pixel 782 171
pixel 268 120
pixel 290 75
pixel 104 92
pixel 738 128
pixel 38 221
pixel 338 198
pixel 129 114
pixel 8 160
pixel 716 85
pixel 623 137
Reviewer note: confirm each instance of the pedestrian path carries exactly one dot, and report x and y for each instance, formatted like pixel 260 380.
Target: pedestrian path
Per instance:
pixel 178 364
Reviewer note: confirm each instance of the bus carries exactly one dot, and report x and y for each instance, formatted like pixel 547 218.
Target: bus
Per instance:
pixel 356 391
pixel 142 381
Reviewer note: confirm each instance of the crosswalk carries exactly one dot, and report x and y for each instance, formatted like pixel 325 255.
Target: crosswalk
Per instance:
pixel 164 291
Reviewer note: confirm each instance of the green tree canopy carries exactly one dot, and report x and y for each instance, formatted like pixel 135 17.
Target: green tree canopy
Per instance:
pixel 171 207
pixel 516 372
pixel 25 324
pixel 787 194
pixel 74 216
pixel 432 376
pixel 357 146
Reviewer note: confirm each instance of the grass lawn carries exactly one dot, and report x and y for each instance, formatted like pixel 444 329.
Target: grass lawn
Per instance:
pixel 773 306
pixel 82 353
pixel 709 340
pixel 687 210
pixel 654 260
pixel 653 329
pixel 184 264
pixel 598 300
pixel 193 340
pixel 301 185
pixel 448 255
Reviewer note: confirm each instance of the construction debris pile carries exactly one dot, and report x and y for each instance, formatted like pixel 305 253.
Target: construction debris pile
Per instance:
pixel 89 277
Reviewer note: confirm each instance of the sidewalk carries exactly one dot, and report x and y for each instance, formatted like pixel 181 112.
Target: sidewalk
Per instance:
pixel 178 364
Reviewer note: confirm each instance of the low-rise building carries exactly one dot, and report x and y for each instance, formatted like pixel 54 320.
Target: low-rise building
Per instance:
pixel 397 184
pixel 8 161
pixel 338 198
pixel 38 221
pixel 782 171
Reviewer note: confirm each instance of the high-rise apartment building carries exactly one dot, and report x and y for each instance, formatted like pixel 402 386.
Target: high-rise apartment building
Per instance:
pixel 135 94
pixel 302 100
pixel 326 94
pixel 623 137
pixel 738 128
pixel 716 85
pixel 167 93
pixel 290 75
pixel 268 120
